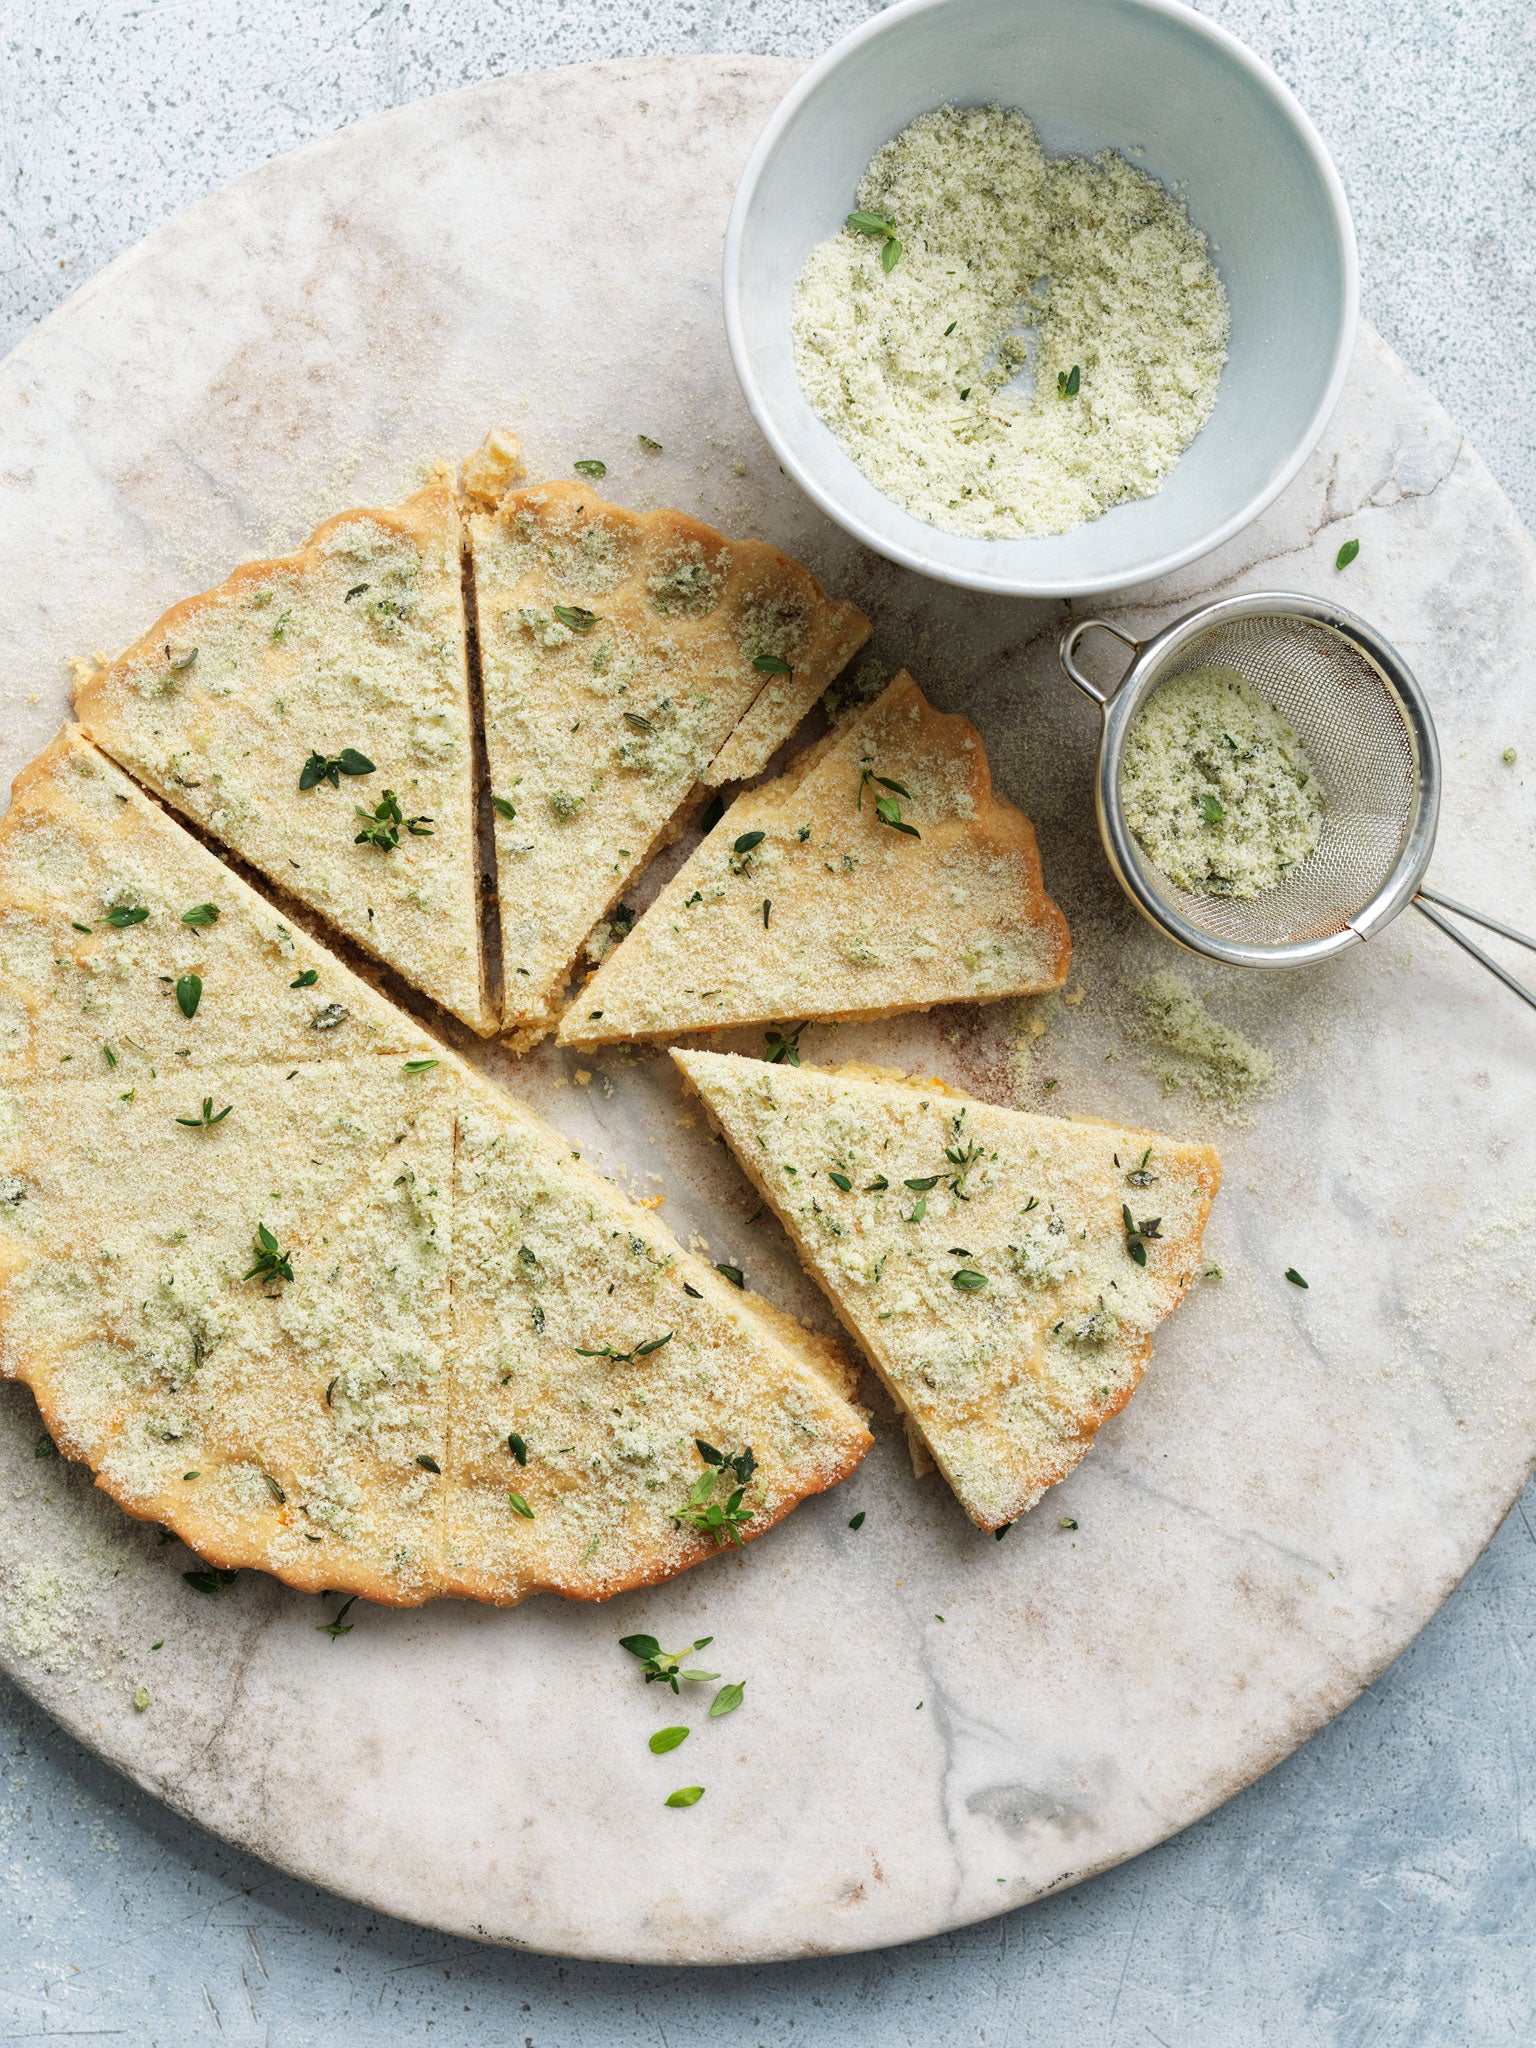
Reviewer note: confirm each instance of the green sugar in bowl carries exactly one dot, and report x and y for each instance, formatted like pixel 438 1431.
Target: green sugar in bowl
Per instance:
pixel 1182 100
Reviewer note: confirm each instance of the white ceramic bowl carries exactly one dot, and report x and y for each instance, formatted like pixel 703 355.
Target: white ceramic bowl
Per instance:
pixel 1211 122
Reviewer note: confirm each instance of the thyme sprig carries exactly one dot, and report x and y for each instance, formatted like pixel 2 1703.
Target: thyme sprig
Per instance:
pixel 331 767
pixel 723 1520
pixel 206 1121
pixel 618 1357
pixel 1139 1235
pixel 784 1046
pixel 381 825
pixel 272 1263
pixel 666 1666
pixel 887 810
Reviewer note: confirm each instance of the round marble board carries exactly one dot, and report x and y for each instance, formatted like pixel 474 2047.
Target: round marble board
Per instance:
pixel 937 1726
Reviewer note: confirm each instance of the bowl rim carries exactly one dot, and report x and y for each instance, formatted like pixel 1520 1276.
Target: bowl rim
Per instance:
pixel 823 67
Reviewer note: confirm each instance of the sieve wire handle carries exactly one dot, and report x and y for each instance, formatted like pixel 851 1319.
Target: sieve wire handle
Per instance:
pixel 1426 897
pixel 1066 654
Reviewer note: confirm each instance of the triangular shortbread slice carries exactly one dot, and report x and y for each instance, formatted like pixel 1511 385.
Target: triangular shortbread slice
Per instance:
pixel 626 660
pixel 1003 1272
pixel 879 874
pixel 582 1328
pixel 304 691
pixel 263 1265
pixel 127 949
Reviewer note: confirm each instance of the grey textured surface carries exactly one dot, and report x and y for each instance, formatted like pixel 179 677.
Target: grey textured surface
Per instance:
pixel 1379 1886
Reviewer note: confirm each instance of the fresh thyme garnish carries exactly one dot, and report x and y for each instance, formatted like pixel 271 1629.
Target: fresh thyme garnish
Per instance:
pixel 1067 1522
pixel 339 1626
pixel 968 1281
pixel 923 1183
pixel 732 1273
pixel 1294 1277
pixel 840 1180
pixel 307 979
pixel 504 808
pixel 771 665
pixel 723 1521
pixel 949 330
pixel 638 722
pixel 271 1263
pixel 784 1046
pixel 45 1447
pixel 1138 1235
pixel 576 616
pixel 178 664
pixel 275 1490
pixel 518 1448
pixel 206 1122
pixel 651 447
pixel 1346 554
pixel 919 1209
pixel 666 1665
pixel 857 1521
pixel 74 927
pixel 418 1066
pixel 625 1357
pixel 726 1700
pixel 381 825
pixel 1068 382
pixel 124 917
pixel 767 906
pixel 665 1739
pixel 686 1795
pixel 877 1186
pixel 1212 809
pixel 356 591
pixel 109 1055
pixel 590 465
pixel 201 914
pixel 964 1161
pixel 330 1017
pixel 210 1580
pixel 427 1462
pixel 1138 1177
pixel 712 813
pixel 877 224
pixel 519 1506
pixel 747 841
pixel 887 810
pixel 331 767
pixel 189 993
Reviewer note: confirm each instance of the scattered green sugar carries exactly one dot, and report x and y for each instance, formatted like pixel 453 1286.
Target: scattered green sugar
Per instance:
pixel 1084 274
pixel 1193 1047
pixel 1217 788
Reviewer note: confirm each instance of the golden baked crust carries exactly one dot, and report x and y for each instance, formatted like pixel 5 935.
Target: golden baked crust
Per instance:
pixel 451 1261
pixel 356 641
pixel 834 912
pixel 891 1190
pixel 617 655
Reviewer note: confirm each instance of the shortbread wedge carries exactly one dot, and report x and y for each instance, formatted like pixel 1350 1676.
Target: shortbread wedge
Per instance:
pixel 128 950
pixel 627 660
pixel 878 874
pixel 1002 1272
pixel 313 715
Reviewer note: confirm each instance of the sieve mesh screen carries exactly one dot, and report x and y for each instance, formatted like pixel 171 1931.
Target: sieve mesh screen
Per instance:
pixel 1341 708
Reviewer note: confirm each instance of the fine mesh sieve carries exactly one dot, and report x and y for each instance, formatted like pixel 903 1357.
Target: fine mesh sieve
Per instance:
pixel 1363 721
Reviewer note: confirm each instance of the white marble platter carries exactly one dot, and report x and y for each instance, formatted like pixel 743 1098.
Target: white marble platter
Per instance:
pixel 937 1726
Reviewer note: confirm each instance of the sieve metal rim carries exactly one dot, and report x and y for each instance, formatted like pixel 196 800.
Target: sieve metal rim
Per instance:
pixel 1118 708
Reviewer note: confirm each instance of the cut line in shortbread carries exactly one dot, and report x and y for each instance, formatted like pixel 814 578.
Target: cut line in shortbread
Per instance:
pixel 628 661
pixel 313 715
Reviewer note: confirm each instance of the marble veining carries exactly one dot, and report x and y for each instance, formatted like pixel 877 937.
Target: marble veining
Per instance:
pixel 1300 1480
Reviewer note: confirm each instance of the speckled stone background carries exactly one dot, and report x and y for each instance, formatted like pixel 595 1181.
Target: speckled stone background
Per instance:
pixel 1379 1886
